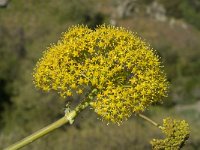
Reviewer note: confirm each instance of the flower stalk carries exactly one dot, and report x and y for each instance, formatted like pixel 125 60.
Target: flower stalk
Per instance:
pixel 68 118
pixel 149 120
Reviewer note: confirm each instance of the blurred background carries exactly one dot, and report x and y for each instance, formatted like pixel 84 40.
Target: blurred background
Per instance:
pixel 27 27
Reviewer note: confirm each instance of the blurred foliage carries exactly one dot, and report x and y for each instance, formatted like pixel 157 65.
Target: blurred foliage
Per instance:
pixel 26 29
pixel 8 60
pixel 189 10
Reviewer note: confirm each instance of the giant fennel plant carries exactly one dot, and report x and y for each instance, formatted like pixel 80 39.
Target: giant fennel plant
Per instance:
pixel 118 72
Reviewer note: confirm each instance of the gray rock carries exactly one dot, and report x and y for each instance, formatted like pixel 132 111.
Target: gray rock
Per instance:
pixel 157 11
pixel 3 3
pixel 125 8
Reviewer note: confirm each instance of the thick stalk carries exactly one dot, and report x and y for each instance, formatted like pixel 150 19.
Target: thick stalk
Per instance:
pixel 69 117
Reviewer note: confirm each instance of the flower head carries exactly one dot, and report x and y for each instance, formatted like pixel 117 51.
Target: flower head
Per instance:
pixel 124 71
pixel 176 131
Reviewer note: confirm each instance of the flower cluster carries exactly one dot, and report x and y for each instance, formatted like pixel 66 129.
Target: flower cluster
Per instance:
pixel 124 71
pixel 176 131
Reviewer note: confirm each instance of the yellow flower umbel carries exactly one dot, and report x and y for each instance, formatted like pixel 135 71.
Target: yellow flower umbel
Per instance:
pixel 123 72
pixel 176 131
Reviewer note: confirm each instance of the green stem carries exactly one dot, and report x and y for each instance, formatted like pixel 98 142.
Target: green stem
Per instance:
pixel 149 120
pixel 69 117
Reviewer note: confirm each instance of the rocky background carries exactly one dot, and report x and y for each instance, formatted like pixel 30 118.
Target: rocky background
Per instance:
pixel 27 27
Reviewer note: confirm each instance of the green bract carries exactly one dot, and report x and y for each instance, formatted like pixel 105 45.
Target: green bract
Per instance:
pixel 124 71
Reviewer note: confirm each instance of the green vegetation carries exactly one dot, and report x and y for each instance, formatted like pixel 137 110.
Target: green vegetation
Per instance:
pixel 189 10
pixel 27 28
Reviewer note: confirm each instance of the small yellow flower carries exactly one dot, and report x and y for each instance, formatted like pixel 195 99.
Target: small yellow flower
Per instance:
pixel 69 93
pixel 73 86
pixel 80 91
